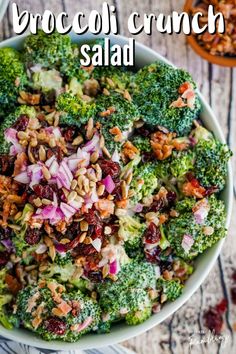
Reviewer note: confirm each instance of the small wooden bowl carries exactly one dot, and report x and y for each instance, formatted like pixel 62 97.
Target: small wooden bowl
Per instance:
pixel 214 59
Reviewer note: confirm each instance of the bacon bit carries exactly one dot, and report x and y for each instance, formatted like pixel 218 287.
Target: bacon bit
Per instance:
pixel 118 134
pixel 106 207
pixel 184 87
pixel 180 145
pixel 36 322
pixel 129 150
pixel 20 163
pixel 64 307
pixel 179 103
pixel 127 96
pixel 17 82
pixel 32 302
pixel 122 204
pixel 162 144
pixel 108 112
pixel 193 189
pixel 163 218
pixel 13 284
pixel 31 99
pixel 89 69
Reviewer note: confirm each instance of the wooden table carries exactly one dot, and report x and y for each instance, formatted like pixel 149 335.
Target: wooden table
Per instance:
pixel 218 85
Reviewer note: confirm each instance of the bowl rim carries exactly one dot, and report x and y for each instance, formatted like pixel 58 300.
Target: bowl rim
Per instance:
pixel 214 59
pixel 126 332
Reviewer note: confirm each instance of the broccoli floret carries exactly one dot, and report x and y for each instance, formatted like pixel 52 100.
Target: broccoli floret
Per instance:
pixel 47 50
pixel 113 78
pixel 13 79
pixel 171 288
pixel 63 259
pixel 74 110
pixel 181 163
pixel 124 115
pixel 88 311
pixel 19 238
pixel 63 273
pixel 5 298
pixel 137 317
pixel 131 230
pixel 204 232
pixel 144 181
pixel 129 292
pixel 8 123
pixel 142 143
pixel 156 88
pixel 211 163
pixel 201 133
pixel 47 80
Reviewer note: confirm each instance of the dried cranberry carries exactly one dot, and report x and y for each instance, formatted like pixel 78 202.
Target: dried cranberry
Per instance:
pixel 4 258
pixel 153 255
pixel 157 205
pixel 165 265
pixel 171 197
pixel 117 193
pixel 211 190
pixel 92 217
pixel 43 191
pixel 21 123
pixel 69 134
pixel 222 306
pixel 85 250
pixel 95 276
pixel 5 232
pixel 55 325
pixel 57 152
pixel 233 295
pixel 33 236
pixel 109 168
pixel 152 234
pixel 73 231
pixel 147 157
pixel 6 165
pixel 213 320
pixel 143 131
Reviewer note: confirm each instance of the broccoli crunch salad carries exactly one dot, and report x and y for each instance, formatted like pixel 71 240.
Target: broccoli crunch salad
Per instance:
pixel 109 189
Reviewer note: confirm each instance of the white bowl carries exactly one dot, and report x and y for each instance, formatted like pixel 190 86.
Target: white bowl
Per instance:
pixel 204 263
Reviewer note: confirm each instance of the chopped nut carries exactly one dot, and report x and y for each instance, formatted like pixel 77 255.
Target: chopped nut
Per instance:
pixel 78 140
pixel 37 202
pixel 74 184
pixel 89 132
pixel 208 230
pixel 163 298
pixel 84 225
pixel 101 190
pixel 107 230
pixel 46 173
pixel 46 201
pixel 72 196
pixel 106 152
pixel 42 153
pixel 82 237
pixel 94 157
pixel 127 96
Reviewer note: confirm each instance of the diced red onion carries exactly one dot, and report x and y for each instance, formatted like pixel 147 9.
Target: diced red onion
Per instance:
pixel 85 324
pixel 138 208
pixel 48 212
pixel 116 156
pixel 57 133
pixel 73 164
pixel 109 184
pixel 157 272
pixel 92 145
pixel 60 248
pixel 201 213
pixel 11 135
pixel 75 204
pixel 187 242
pixel 36 68
pixel 50 161
pixel 41 249
pixel 7 243
pixel 84 157
pixel 114 267
pixel 97 244
pixel 67 210
pixel 54 168
pixel 22 178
